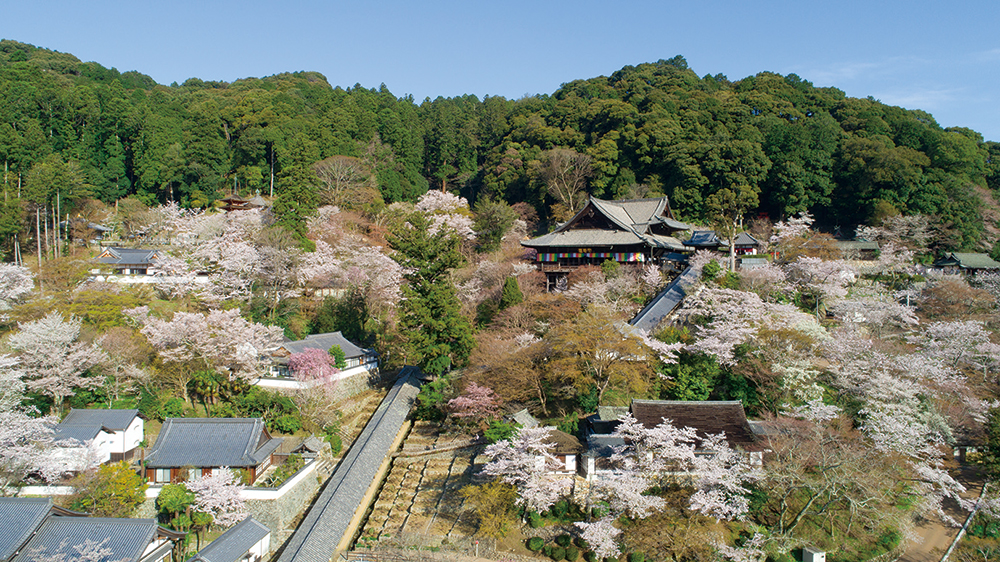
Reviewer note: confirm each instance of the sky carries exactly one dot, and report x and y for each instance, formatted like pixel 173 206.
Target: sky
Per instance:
pixel 941 57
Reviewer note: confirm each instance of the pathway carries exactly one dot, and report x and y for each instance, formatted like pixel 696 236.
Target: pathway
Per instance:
pixel 935 536
pixel 331 515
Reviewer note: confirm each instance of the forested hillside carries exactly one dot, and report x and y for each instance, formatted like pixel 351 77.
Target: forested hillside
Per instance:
pixel 70 130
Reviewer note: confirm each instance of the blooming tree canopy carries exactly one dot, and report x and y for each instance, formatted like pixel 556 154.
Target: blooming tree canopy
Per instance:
pixel 522 461
pixel 219 496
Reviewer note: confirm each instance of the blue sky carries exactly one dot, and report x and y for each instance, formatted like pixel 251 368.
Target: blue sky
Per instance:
pixel 941 57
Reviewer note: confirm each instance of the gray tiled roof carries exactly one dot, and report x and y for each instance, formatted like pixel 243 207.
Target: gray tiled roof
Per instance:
pixel 704 238
pixel 325 342
pixel 664 303
pixel 321 530
pixel 111 419
pixel 210 442
pixel 19 517
pixel 128 256
pixel 126 539
pixel 81 433
pixel 234 543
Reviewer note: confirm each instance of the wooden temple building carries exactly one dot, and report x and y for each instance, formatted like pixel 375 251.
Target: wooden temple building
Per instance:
pixel 633 231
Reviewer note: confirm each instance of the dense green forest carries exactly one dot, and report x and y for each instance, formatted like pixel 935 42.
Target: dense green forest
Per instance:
pixel 72 130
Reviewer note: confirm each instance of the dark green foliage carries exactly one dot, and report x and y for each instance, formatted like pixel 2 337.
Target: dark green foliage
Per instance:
pixel 563 540
pixel 339 358
pixel 558 553
pixel 636 557
pixel 590 556
pixel 793 146
pixel 336 443
pixel 485 312
pixel 432 397
pixel 535 544
pixel 511 293
pixel 572 553
pixel 547 550
pixel 500 430
pixel 288 423
pixel 348 315
pixel 559 509
pixel 582 543
pixel 692 377
pixel 149 404
pixel 172 408
pixel 439 337
pixel 711 270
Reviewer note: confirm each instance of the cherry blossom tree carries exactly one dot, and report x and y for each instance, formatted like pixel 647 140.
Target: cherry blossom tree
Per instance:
pixel 219 495
pixel 54 362
pixel 447 211
pixel 15 282
pixel 26 442
pixel 220 340
pixel 602 536
pixel 312 364
pixel 522 461
pixel 475 402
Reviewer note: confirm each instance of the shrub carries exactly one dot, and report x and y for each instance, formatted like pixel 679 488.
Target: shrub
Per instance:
pixel 287 423
pixel 563 540
pixel 636 557
pixel 572 553
pixel 558 553
pixel 336 443
pixel 534 520
pixel 535 544
pixel 115 490
pixel 559 509
pixel 591 556
pixel 173 408
pixel 547 550
pixel 582 543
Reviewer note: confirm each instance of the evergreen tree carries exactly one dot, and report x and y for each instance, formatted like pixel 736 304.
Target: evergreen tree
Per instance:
pixel 439 336
pixel 511 293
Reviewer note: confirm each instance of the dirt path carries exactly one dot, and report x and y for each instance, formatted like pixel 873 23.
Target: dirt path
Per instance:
pixel 936 537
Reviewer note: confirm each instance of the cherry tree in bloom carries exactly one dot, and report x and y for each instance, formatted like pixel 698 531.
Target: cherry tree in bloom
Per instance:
pixel 768 280
pixel 447 211
pixel 475 402
pixel 312 364
pixel 794 227
pixel 220 340
pixel 962 344
pixel 219 495
pixel 15 282
pixel 827 279
pixel 54 362
pixel 26 444
pixel 875 309
pixel 522 461
pixel 602 536
pixel 735 317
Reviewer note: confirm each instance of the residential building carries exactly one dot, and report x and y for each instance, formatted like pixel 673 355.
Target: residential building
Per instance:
pixel 354 356
pixel 966 263
pixel 116 434
pixel 190 447
pixel 128 261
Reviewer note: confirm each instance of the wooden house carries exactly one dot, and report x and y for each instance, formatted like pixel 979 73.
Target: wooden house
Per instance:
pixel 115 434
pixel 634 231
pixel 354 356
pixel 128 261
pixel 189 447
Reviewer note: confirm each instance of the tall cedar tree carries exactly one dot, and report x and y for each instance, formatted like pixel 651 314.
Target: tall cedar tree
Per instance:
pixel 511 293
pixel 439 337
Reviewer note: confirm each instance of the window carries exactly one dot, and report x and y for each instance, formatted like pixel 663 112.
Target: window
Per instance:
pixel 162 475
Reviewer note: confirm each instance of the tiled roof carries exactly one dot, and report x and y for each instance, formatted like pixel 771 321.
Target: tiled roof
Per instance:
pixel 563 443
pixel 744 239
pixel 325 342
pixel 234 543
pixel 323 527
pixel 127 256
pixel 125 539
pixel 968 261
pixel 210 442
pixel 111 419
pixel 704 239
pixel 664 303
pixel 585 237
pixel 709 417
pixel 19 517
pixel 524 419
pixel 857 245
pixel 81 433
